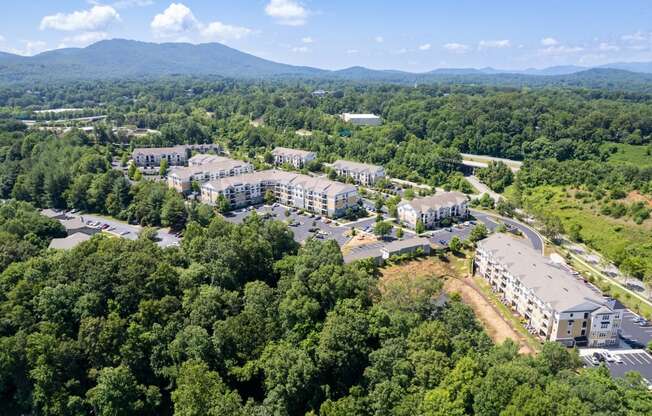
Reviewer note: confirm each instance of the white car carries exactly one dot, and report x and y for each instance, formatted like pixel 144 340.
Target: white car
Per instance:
pixel 609 357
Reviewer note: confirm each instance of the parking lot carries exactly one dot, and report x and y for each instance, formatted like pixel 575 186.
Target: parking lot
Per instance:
pixel 633 330
pixel 128 231
pixel 632 360
pixel 303 226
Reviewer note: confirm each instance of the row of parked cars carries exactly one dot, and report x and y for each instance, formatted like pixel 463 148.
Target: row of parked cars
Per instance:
pixel 605 356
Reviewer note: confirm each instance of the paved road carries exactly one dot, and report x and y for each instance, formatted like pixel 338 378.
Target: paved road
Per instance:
pixel 482 188
pixel 633 331
pixel 534 238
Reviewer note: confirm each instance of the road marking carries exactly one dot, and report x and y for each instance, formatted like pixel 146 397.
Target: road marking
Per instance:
pixel 635 357
pixel 627 358
pixel 645 358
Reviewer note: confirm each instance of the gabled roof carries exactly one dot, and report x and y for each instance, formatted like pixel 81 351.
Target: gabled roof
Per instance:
pixel 446 199
pixel 550 282
pixel 356 167
pixel 399 245
pixel 285 151
pixel 69 242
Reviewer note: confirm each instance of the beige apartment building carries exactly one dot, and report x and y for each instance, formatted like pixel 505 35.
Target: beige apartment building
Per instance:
pixel 295 157
pixel 318 195
pixel 555 304
pixel 432 209
pixel 216 167
pixel 361 173
pixel 175 155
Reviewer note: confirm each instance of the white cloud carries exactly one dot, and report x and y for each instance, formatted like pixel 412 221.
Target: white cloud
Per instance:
pixel 222 32
pixel 549 42
pixel 30 47
pixel 175 20
pixel 84 39
pixel 287 12
pixel 456 47
pixel 307 39
pixel 300 49
pixel 636 37
pixel 560 50
pixel 424 47
pixel 604 46
pixel 97 18
pixel 124 4
pixel 352 51
pixel 379 39
pixel 494 44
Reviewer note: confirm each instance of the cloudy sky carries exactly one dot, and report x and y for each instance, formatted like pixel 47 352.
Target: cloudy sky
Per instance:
pixel 410 35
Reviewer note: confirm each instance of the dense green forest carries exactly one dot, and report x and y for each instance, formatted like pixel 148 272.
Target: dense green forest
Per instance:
pixel 240 321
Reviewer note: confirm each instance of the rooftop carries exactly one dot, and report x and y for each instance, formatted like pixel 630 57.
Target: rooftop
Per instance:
pixel 69 242
pixel 446 199
pixel 222 163
pixel 549 281
pixel 356 166
pixel 408 243
pixel 320 185
pixel 286 151
pixel 203 159
pixel 360 115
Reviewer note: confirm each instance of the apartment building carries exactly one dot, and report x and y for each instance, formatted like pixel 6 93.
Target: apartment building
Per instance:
pixel 295 157
pixel 318 195
pixel 556 305
pixel 215 167
pixel 175 155
pixel 362 119
pixel 362 173
pixel 432 209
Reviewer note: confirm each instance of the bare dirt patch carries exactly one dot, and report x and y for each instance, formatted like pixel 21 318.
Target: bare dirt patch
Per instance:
pixel 454 271
pixel 636 196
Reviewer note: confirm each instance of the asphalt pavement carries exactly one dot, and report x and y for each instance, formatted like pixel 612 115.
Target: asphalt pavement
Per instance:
pixel 632 360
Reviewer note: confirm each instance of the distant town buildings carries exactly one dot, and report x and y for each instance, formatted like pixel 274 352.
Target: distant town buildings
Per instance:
pixel 295 157
pixel 556 305
pixel 203 168
pixel 175 155
pixel 318 195
pixel 431 210
pixel 362 119
pixel 362 173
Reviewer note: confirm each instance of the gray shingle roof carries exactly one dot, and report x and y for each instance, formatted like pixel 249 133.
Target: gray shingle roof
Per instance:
pixel 549 281
pixel 285 151
pixel 69 242
pixel 446 199
pixel 356 166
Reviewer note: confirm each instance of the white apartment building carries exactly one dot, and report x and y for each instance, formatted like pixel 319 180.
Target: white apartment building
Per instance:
pixel 318 195
pixel 432 209
pixel 216 167
pixel 362 173
pixel 295 157
pixel 362 119
pixel 556 304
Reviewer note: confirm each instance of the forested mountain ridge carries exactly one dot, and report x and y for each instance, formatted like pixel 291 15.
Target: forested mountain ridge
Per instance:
pixel 122 59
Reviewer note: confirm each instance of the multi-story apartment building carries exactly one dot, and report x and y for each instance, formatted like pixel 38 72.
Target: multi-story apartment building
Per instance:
pixel 362 173
pixel 362 119
pixel 318 195
pixel 295 157
pixel 216 167
pixel 556 305
pixel 175 155
pixel 432 209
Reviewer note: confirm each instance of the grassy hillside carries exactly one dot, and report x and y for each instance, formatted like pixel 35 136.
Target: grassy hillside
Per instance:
pixel 638 155
pixel 615 238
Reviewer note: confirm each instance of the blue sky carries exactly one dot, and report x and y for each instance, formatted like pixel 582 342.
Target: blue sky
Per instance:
pixel 409 35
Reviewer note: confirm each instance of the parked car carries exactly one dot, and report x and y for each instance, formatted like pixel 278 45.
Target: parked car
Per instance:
pixel 642 322
pixel 600 357
pixel 609 357
pixel 637 319
pixel 594 359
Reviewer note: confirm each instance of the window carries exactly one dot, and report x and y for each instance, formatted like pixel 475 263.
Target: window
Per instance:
pixel 570 323
pixel 586 315
pixel 583 332
pixel 604 325
pixel 571 315
pixel 584 324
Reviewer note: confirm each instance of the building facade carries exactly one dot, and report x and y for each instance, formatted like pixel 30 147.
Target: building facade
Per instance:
pixel 431 210
pixel 361 173
pixel 217 167
pixel 556 305
pixel 318 195
pixel 295 157
pixel 362 119
pixel 175 155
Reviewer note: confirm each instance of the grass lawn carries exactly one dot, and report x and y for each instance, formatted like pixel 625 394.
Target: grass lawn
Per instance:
pixel 637 155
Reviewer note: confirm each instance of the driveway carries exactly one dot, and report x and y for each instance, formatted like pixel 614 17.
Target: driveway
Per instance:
pixel 491 221
pixel 482 188
pixel 633 360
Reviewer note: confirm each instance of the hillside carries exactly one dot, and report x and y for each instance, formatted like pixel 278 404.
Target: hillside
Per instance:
pixel 128 59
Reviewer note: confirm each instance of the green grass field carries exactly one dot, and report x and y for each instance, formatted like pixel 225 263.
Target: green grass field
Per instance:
pixel 637 155
pixel 611 237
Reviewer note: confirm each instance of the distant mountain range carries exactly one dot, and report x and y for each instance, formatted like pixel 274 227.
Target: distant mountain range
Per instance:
pixel 120 58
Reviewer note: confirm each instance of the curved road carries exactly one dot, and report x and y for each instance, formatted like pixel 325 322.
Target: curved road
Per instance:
pixel 489 220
